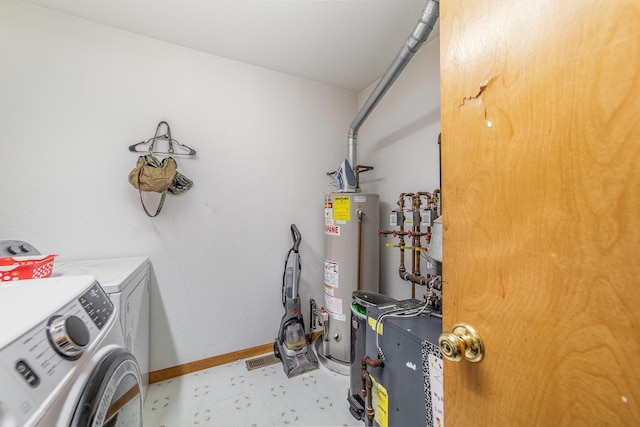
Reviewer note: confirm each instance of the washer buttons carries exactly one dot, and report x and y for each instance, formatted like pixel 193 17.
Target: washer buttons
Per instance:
pixel 27 373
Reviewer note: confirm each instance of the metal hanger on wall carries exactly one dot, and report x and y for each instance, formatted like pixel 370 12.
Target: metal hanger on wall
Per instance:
pixel 173 144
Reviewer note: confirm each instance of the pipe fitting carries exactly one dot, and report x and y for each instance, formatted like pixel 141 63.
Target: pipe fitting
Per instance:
pixel 367 384
pixel 367 361
pixel 366 393
pixel 370 413
pixel 402 272
pixel 413 278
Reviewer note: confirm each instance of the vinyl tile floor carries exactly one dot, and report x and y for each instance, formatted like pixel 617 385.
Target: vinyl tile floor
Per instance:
pixel 231 395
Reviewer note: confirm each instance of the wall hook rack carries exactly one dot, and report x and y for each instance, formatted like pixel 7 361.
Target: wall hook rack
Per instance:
pixel 139 147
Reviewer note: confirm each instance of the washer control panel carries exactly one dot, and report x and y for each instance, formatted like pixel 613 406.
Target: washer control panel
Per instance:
pixel 34 365
pixel 27 373
pixel 68 336
pixel 97 305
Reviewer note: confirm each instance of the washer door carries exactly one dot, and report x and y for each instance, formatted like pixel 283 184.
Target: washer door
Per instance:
pixel 113 394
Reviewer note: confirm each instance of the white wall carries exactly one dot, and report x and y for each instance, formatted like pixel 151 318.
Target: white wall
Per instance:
pixel 400 139
pixel 74 95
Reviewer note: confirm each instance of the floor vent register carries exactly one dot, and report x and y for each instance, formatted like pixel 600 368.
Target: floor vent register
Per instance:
pixel 259 362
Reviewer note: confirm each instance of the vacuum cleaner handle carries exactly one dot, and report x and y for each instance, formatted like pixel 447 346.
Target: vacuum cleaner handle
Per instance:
pixel 296 236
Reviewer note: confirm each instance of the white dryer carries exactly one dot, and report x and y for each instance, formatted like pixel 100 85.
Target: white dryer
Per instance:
pixel 126 281
pixel 62 357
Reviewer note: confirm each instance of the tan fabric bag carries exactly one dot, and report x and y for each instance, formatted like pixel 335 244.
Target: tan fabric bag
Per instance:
pixel 151 174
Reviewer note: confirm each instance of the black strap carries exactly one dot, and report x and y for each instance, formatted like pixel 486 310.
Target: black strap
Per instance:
pixel 164 193
pixel 156 136
pixel 160 204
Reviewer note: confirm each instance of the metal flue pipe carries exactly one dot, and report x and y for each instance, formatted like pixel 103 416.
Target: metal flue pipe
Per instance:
pixel 412 45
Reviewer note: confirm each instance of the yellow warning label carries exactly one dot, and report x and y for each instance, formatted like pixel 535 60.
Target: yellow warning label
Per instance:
pixel 342 208
pixel 372 324
pixel 381 403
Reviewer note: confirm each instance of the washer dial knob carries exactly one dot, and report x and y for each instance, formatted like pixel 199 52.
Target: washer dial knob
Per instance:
pixel 68 335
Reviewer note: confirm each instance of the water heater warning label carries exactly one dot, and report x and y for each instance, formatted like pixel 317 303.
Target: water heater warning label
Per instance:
pixel 334 306
pixel 328 212
pixel 331 273
pixel 342 208
pixel 381 401
pixel 333 230
pixel 331 303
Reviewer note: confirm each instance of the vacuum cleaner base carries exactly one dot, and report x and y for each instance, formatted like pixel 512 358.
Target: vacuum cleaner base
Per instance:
pixel 356 406
pixel 296 363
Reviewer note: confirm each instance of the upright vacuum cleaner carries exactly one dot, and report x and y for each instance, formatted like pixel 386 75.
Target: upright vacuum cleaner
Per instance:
pixel 291 345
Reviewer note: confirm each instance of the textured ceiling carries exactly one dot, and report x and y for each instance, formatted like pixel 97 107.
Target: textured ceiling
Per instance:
pixel 343 43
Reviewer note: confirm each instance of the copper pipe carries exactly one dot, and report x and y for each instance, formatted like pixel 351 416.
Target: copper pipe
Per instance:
pixel 417 203
pixel 367 361
pixel 439 164
pixel 394 232
pixel 364 362
pixel 415 242
pixel 403 274
pixel 415 265
pixel 368 410
pixel 402 233
pixel 402 270
pixel 418 280
pixel 416 234
pixel 367 384
pixel 416 260
pixel 365 389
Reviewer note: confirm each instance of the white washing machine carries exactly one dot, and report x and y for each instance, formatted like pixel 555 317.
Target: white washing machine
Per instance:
pixel 126 281
pixel 63 361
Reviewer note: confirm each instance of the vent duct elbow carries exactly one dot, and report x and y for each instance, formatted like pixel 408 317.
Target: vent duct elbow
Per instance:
pixel 412 45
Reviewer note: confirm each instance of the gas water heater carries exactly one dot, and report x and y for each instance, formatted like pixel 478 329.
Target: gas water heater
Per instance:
pixel 351 260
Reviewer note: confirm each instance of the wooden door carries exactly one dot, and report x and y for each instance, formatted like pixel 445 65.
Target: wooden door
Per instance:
pixel 541 205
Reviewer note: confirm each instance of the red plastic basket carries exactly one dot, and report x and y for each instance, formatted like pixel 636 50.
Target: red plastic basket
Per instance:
pixel 22 268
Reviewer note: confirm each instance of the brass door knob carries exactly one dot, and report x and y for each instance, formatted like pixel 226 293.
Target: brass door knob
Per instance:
pixel 463 342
